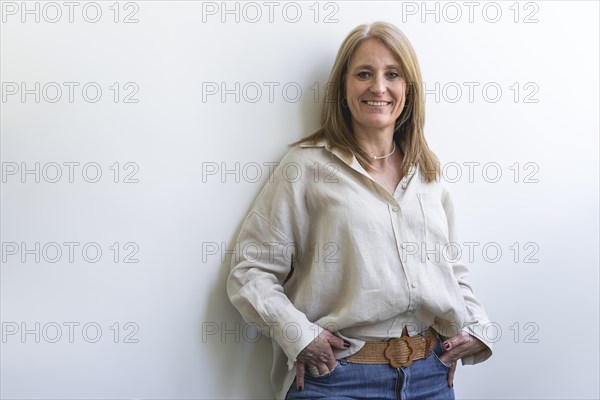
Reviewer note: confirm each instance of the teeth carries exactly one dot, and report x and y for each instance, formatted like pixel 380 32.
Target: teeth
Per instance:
pixel 377 103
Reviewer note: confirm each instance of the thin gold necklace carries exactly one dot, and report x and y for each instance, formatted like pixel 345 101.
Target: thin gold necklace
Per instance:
pixel 386 156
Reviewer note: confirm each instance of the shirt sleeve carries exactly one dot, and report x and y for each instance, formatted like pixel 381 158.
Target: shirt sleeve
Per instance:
pixel 265 251
pixel 474 310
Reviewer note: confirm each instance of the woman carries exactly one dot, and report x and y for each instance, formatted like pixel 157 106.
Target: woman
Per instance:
pixel 348 260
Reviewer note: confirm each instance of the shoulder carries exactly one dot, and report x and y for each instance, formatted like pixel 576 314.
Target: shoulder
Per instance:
pixel 305 155
pixel 293 171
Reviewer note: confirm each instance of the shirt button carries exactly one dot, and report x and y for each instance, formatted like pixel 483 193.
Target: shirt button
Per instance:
pixel 395 208
pixel 414 284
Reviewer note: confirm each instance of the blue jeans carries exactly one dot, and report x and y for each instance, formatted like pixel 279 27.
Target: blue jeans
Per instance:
pixel 423 379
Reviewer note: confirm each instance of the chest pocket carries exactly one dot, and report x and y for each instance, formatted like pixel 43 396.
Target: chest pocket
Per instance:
pixel 434 219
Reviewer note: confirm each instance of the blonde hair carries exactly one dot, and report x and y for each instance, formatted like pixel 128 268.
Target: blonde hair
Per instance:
pixel 336 127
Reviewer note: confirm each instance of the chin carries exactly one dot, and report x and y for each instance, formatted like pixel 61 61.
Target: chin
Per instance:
pixel 378 124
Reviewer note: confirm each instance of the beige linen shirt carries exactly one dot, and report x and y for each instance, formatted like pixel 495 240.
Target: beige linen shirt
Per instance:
pixel 326 247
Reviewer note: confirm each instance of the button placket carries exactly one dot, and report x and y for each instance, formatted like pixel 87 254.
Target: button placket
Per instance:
pixel 411 272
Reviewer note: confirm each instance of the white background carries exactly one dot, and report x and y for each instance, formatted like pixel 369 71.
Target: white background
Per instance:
pixel 178 335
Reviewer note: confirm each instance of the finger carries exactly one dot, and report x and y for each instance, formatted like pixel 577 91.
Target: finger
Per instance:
pixel 325 357
pixel 446 357
pixel 451 375
pixel 331 364
pixel 300 376
pixel 450 343
pixel 338 343
pixel 464 349
pixel 454 341
pixel 323 369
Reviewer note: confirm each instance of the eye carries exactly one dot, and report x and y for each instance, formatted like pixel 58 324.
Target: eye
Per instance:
pixel 363 75
pixel 393 75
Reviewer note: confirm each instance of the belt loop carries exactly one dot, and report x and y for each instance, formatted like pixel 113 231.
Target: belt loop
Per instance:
pixel 404 331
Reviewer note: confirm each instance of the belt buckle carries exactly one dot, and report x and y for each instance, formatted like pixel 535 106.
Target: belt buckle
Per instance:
pixel 395 349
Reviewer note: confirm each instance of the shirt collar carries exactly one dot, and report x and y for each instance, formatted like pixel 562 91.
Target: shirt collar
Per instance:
pixel 351 160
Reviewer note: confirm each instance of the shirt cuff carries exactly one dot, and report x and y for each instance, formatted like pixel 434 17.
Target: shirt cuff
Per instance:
pixel 477 330
pixel 293 337
pixel 293 331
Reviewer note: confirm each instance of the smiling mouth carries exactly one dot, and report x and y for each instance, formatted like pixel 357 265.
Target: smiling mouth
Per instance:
pixel 377 103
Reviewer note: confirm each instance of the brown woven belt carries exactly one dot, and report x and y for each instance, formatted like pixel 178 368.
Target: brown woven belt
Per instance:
pixel 398 352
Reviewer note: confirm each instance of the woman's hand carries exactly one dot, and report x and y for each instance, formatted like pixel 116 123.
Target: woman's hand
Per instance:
pixel 318 354
pixel 458 347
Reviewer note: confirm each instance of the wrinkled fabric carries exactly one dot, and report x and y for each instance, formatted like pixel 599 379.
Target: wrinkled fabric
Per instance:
pixel 324 246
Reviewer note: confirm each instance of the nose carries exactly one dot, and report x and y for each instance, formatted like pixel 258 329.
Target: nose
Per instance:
pixel 378 85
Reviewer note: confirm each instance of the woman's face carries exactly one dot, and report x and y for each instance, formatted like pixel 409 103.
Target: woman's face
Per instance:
pixel 375 90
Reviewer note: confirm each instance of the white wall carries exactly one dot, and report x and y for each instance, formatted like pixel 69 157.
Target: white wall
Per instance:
pixel 178 335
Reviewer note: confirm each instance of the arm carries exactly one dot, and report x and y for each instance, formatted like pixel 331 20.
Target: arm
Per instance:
pixel 260 263
pixel 481 349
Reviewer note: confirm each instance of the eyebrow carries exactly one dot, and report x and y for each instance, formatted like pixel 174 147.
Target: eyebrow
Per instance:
pixel 367 66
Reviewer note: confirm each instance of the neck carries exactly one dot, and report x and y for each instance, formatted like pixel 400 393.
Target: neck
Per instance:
pixel 376 143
